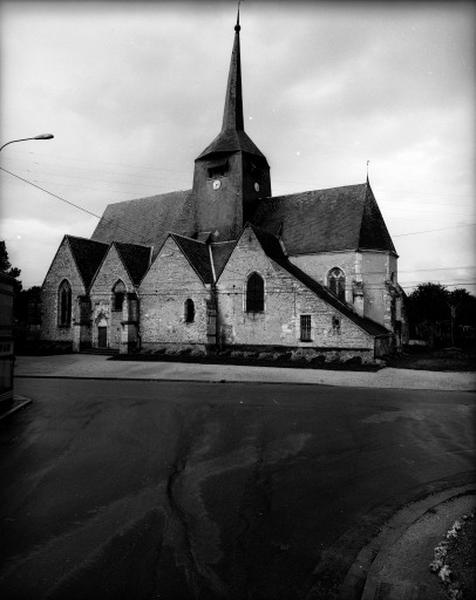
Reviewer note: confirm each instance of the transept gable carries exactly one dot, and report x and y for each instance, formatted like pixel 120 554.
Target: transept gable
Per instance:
pixel 247 255
pixel 82 254
pixel 174 265
pixel 135 258
pixel 273 249
pixel 110 271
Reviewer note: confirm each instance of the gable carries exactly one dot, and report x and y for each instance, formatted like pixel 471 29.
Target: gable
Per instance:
pixel 63 266
pixel 247 255
pixel 87 255
pixel 135 259
pixel 111 269
pixel 272 249
pixel 197 254
pixel 170 270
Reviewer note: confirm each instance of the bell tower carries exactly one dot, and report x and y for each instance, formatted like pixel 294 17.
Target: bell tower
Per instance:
pixel 231 174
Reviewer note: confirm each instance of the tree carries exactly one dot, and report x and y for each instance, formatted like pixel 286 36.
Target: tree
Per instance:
pixel 436 314
pixel 429 302
pixel 6 267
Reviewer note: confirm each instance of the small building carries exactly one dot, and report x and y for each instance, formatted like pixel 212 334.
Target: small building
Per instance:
pixel 227 264
pixel 7 353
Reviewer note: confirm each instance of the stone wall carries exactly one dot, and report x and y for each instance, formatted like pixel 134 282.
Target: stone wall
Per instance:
pixel 119 335
pixel 169 282
pixel 286 299
pixel 62 267
pixel 372 268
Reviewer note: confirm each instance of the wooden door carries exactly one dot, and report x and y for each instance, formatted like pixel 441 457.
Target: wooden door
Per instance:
pixel 102 337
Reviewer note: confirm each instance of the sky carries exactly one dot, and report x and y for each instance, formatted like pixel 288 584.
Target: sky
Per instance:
pixel 133 92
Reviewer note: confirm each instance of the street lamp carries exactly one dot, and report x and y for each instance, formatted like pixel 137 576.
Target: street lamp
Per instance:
pixel 41 136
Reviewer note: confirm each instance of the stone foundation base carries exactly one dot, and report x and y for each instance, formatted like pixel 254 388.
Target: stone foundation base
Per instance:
pixel 312 356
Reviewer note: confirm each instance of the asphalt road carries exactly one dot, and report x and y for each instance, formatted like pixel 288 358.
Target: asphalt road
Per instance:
pixel 142 490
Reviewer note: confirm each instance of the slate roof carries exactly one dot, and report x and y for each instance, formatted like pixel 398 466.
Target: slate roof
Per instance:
pixel 146 221
pixel 232 137
pixel 231 140
pixel 136 259
pixel 333 219
pixel 197 254
pixel 273 250
pixel 88 255
pixel 221 253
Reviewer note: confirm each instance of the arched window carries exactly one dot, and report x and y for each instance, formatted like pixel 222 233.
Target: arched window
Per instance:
pixel 118 293
pixel 255 293
pixel 64 304
pixel 336 282
pixel 189 311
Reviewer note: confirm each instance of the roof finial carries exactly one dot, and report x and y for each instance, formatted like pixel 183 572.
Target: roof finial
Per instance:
pixel 368 171
pixel 237 26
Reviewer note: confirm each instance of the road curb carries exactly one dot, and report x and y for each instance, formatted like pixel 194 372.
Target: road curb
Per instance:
pixel 19 402
pixel 357 584
pixel 468 390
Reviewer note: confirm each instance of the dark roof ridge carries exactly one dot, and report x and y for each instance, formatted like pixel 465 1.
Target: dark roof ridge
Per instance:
pixel 136 276
pixel 192 259
pixel 337 187
pixel 186 237
pixel 152 196
pixel 130 244
pixel 85 239
pixel 85 267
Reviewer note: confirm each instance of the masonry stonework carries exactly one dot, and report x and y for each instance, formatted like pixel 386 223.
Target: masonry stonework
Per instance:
pixel 119 335
pixel 285 300
pixel 62 268
pixel 169 283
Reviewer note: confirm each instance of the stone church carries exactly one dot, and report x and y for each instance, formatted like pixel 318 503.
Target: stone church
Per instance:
pixel 228 265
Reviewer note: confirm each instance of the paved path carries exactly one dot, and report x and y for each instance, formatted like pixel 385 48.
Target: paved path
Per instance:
pixel 96 366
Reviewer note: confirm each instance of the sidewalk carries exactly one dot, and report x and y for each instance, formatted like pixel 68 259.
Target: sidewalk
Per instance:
pixel 395 565
pixel 100 367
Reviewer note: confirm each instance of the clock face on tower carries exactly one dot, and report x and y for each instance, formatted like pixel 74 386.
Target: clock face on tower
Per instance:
pixel 216 184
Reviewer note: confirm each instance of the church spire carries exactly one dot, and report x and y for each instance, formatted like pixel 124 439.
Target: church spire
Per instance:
pixel 233 113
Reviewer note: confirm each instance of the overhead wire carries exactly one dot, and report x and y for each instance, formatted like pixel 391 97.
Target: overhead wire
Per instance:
pixel 136 235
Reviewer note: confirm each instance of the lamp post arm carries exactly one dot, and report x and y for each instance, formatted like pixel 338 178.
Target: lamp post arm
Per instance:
pixel 42 136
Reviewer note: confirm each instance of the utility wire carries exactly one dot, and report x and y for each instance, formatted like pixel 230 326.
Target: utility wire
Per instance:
pixel 85 210
pixel 433 230
pixel 183 172
pixel 135 234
